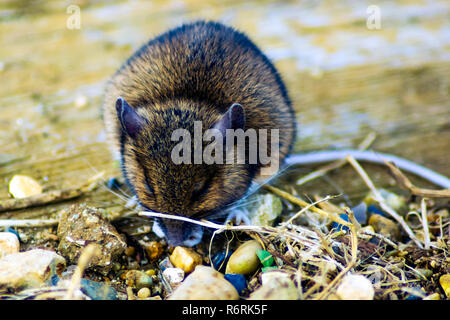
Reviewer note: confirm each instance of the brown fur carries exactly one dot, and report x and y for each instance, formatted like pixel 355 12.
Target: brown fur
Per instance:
pixel 195 72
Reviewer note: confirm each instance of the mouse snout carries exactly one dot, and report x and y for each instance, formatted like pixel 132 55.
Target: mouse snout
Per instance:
pixel 178 233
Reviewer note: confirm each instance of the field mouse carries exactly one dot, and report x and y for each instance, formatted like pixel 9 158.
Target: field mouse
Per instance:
pixel 208 73
pixel 200 72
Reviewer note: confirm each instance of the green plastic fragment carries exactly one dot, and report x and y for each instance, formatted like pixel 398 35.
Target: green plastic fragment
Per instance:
pixel 265 258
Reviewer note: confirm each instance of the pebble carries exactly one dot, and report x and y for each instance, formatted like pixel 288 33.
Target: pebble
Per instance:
pixel 144 293
pixel 275 286
pixel 98 290
pixel 268 209
pixel 174 276
pixel 220 260
pixel 338 226
pixel 81 101
pixel 24 186
pixel 9 244
pixel 360 212
pixel 385 226
pixel 355 287
pixel 445 284
pixel 237 280
pixel 244 260
pixel 138 279
pixel 185 259
pixel 396 202
pixel 29 269
pixel 154 250
pixel 82 225
pixel 205 283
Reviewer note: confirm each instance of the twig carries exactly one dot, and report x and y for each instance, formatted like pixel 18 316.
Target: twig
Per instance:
pixel 379 198
pixel 305 209
pixel 426 232
pixel 406 183
pixel 354 252
pixel 23 223
pixel 336 164
pixel 302 203
pixel 49 197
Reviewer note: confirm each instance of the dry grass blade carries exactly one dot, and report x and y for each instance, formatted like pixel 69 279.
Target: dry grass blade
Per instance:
pixel 336 164
pixel 382 202
pixel 86 256
pixel 406 183
pixel 302 203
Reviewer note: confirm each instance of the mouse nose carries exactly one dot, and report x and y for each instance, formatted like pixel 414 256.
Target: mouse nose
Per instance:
pixel 179 233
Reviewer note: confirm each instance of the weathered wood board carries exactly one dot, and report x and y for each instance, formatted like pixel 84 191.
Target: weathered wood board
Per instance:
pixel 346 79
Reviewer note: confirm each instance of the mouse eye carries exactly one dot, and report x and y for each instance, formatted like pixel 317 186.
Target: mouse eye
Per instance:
pixel 199 189
pixel 148 186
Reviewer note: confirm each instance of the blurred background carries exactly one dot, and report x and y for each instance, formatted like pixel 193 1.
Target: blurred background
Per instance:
pixel 351 68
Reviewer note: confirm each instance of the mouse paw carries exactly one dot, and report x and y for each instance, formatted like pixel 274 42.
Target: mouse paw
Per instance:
pixel 240 216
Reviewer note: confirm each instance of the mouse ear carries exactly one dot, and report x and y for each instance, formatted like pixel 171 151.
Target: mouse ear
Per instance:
pixel 131 122
pixel 234 118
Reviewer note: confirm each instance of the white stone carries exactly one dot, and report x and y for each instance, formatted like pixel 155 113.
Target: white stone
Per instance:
pixel 29 269
pixel 355 287
pixel 205 283
pixel 24 186
pixel 9 244
pixel 173 275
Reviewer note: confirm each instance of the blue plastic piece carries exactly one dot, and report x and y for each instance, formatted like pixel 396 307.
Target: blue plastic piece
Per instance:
pixel 238 281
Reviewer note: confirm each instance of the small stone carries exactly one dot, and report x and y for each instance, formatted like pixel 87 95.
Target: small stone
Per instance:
pixel 154 250
pixel 138 279
pixel 144 293
pixel 82 225
pixel 237 280
pixel 396 202
pixel 165 263
pixel 220 260
pixel 205 283
pixel 445 284
pixel 185 259
pixel 268 208
pixel 338 226
pixel 24 186
pixel 98 290
pixel 29 269
pixel 275 286
pixel 244 260
pixel 360 212
pixel 150 272
pixel 130 251
pixel 265 258
pixel 81 101
pixel 174 276
pixel 355 287
pixel 385 226
pixel 9 244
